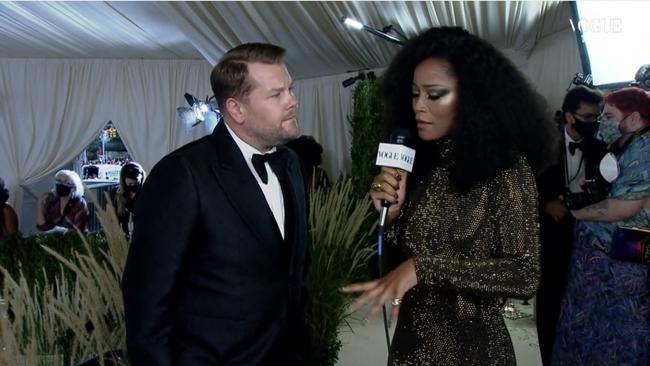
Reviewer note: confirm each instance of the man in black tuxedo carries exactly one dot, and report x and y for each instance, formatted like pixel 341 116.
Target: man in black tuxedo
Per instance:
pixel 579 121
pixel 216 271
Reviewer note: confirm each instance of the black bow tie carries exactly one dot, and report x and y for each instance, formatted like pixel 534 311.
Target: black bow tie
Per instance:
pixel 573 146
pixel 276 160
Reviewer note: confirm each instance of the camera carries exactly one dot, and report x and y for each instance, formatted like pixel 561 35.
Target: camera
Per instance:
pixel 593 192
pixel 596 187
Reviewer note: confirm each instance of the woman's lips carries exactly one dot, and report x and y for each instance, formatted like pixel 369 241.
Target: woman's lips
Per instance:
pixel 421 123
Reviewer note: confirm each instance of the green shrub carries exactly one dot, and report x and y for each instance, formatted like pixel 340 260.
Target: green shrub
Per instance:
pixel 367 131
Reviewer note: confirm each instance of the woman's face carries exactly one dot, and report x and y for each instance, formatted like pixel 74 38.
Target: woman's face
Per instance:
pixel 131 182
pixel 132 185
pixel 627 123
pixel 435 97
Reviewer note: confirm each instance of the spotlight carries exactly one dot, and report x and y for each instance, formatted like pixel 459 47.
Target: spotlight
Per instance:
pixel 349 81
pixel 352 23
pixel 361 76
pixel 199 111
pixel 355 24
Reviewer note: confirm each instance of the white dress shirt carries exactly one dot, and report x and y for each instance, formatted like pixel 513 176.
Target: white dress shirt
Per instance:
pixel 272 191
pixel 575 165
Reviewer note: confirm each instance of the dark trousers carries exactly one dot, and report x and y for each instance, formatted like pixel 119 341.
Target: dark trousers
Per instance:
pixel 556 244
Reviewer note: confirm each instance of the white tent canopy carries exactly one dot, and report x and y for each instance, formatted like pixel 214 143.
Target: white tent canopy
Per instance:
pixel 66 68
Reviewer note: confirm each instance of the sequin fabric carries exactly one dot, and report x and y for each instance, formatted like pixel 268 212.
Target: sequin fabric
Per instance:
pixel 471 251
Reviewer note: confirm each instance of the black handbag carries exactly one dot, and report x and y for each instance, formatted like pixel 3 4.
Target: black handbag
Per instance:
pixel 630 244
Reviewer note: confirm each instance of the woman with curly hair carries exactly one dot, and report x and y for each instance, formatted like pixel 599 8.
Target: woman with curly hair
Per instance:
pixel 124 197
pixel 466 219
pixel 605 316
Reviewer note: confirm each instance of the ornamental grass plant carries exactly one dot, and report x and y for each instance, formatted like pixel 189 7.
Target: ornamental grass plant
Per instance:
pixel 61 319
pixel 339 255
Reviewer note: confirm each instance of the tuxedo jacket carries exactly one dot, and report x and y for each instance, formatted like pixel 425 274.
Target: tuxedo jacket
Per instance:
pixel 209 280
pixel 555 255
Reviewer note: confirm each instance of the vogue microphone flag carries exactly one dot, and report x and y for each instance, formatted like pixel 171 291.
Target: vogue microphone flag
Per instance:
pixel 395 156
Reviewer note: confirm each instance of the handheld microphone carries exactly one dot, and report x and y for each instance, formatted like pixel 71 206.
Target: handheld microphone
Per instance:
pixel 394 155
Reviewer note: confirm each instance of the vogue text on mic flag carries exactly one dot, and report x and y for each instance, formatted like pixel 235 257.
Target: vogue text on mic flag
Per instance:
pixel 395 156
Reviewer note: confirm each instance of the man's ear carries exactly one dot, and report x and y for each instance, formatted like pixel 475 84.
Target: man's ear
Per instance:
pixel 236 110
pixel 568 117
pixel 635 120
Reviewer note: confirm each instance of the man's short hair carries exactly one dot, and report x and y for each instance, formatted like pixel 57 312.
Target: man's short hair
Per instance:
pixel 229 78
pixel 581 94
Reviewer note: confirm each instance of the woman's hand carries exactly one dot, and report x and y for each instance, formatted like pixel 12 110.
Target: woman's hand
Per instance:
pixel 391 288
pixel 390 186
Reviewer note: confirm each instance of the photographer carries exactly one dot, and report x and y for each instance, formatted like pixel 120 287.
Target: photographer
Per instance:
pixel 605 317
pixel 564 180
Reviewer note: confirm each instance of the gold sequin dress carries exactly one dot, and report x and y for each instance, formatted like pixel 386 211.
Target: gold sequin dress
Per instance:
pixel 471 251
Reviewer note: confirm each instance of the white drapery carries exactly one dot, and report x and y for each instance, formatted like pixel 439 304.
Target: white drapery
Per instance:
pixel 324 108
pixel 51 109
pixel 318 44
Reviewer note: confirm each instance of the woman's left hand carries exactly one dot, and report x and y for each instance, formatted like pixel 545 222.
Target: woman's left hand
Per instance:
pixel 390 288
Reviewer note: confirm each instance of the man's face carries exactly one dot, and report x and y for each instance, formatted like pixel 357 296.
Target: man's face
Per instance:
pixel 270 107
pixel 586 114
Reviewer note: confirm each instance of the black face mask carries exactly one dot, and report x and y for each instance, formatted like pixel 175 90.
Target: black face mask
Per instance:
pixel 134 188
pixel 586 129
pixel 62 190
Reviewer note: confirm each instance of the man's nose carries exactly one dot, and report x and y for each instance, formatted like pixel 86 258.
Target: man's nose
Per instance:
pixel 293 102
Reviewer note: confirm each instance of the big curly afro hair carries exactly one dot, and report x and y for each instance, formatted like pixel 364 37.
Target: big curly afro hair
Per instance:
pixel 499 116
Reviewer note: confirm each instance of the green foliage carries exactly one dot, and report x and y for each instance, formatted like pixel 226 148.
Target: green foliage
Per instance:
pixel 367 130
pixel 26 256
pixel 339 256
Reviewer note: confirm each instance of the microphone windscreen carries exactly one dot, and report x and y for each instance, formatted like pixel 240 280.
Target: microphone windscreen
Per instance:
pixel 399 136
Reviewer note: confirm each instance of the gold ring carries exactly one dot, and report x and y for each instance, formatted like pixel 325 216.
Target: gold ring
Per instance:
pixel 376 187
pixel 396 301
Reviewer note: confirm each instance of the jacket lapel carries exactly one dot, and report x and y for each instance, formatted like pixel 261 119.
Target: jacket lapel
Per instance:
pixel 240 186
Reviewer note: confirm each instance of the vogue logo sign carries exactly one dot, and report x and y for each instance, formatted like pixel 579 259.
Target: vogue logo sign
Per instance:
pixel 598 25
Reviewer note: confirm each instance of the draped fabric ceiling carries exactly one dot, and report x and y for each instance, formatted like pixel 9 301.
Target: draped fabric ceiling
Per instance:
pixel 66 68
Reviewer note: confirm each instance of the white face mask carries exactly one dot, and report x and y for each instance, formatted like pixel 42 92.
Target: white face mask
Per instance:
pixel 609 167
